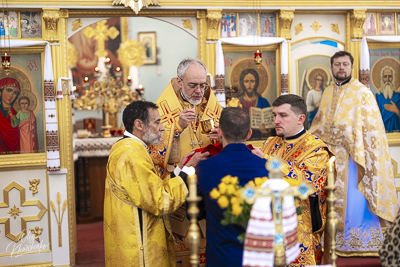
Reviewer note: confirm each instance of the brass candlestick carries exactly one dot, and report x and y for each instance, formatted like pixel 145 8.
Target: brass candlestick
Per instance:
pixel 331 225
pixel 194 229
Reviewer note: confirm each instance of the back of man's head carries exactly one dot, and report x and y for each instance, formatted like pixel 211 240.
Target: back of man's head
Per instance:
pixel 297 103
pixel 234 124
pixel 137 110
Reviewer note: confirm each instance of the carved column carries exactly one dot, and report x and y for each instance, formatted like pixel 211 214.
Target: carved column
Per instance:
pixel 214 17
pixel 51 17
pixel 286 17
pixel 357 20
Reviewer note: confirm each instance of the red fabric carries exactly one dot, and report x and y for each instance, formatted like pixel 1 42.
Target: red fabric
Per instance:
pixel 9 135
pixel 214 149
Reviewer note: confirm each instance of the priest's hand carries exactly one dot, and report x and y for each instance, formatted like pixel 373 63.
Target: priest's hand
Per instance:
pixel 258 152
pixel 213 135
pixel 196 158
pixel 186 116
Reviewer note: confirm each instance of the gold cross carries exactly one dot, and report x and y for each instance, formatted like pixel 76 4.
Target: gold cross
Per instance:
pixel 193 144
pixel 101 33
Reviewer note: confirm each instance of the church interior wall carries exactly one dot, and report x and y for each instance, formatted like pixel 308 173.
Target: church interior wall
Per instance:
pixel 54 217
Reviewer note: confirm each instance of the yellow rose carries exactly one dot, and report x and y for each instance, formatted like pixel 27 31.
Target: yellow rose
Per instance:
pixel 238 193
pixel 236 209
pixel 235 200
pixel 223 202
pixel 251 183
pixel 226 179
pixel 222 188
pixel 258 181
pixel 230 189
pixel 214 194
pixel 234 180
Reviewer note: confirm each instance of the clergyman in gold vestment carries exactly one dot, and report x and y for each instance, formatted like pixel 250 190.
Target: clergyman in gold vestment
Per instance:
pixel 305 159
pixel 184 103
pixel 349 122
pixel 136 202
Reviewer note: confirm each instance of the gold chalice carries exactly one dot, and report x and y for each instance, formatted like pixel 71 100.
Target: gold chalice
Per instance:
pixel 207 125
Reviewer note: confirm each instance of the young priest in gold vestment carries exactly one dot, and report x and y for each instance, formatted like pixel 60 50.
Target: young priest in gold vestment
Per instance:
pixel 306 158
pixel 137 201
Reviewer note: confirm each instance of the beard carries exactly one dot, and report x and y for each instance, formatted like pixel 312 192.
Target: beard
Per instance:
pixel 342 79
pixel 191 101
pixel 150 138
pixel 387 90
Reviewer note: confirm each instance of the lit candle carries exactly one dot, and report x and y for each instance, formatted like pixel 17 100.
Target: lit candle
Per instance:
pixel 192 181
pixel 117 69
pixel 108 60
pixel 96 69
pixel 331 179
pixel 86 79
pixel 140 87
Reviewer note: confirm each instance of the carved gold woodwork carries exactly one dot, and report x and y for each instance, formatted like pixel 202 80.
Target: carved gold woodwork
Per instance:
pixel 214 17
pixel 316 26
pixel 357 20
pixel 51 17
pixel 298 28
pixel 286 17
pixel 187 24
pixel 335 28
pixel 76 24
pixel 136 5
pixel 14 212
pixel 24 203
pixel 36 232
pixel 59 217
pixel 33 185
pixel 101 33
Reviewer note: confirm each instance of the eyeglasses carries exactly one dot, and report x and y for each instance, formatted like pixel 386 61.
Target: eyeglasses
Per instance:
pixel 194 86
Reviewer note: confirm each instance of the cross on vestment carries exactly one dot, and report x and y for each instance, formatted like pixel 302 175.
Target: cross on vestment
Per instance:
pixel 101 34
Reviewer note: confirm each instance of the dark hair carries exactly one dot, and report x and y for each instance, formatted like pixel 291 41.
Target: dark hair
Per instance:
pixel 137 110
pixel 297 103
pixel 254 73
pixel 24 97
pixel 342 54
pixel 235 124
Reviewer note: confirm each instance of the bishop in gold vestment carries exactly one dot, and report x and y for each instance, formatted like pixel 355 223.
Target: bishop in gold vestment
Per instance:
pixel 305 158
pixel 186 93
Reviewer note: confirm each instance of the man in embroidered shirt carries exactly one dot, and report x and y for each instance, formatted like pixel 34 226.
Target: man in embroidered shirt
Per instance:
pixel 305 158
pixel 136 229
pixel 350 123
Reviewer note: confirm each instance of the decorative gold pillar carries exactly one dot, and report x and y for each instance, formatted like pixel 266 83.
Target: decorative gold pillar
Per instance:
pixel 214 18
pixel 357 17
pixel 51 16
pixel 56 30
pixel 357 20
pixel 286 17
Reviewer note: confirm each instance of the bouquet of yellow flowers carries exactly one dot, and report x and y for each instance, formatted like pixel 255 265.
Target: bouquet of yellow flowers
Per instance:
pixel 230 196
